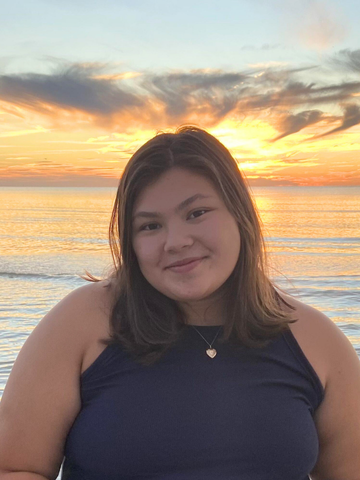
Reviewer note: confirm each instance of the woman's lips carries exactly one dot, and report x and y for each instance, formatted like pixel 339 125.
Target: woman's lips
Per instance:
pixel 187 267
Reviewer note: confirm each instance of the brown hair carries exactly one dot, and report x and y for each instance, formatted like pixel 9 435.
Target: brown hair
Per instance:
pixel 143 320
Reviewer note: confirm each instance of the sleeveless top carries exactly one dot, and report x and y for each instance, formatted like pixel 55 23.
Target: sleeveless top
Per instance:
pixel 246 414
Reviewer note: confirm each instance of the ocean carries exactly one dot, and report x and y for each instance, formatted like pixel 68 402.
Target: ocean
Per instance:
pixel 50 236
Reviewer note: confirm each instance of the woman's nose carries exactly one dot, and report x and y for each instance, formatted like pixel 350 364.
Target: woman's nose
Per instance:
pixel 177 237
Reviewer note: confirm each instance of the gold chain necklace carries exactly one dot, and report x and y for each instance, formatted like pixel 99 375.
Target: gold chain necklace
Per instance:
pixel 211 352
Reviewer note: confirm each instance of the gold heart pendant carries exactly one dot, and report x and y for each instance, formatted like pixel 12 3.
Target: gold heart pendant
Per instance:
pixel 211 352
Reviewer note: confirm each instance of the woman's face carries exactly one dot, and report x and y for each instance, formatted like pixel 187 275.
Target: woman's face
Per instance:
pixel 203 228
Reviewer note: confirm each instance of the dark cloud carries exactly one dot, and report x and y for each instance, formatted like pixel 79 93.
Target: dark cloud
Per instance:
pixel 73 87
pixel 294 123
pixel 294 94
pixel 217 91
pixel 351 117
pixel 349 59
pixel 172 98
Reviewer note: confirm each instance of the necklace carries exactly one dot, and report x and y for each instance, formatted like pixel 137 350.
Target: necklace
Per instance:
pixel 211 352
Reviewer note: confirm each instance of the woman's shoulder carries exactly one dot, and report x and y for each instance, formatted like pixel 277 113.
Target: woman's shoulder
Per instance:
pixel 311 321
pixel 80 318
pixel 88 306
pixel 317 336
pixel 310 331
pixel 338 417
pixel 95 301
pixel 46 373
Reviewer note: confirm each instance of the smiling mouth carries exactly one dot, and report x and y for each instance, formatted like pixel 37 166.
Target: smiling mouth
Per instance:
pixel 187 266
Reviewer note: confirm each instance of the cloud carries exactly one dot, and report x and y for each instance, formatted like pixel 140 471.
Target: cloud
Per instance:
pixel 19 133
pixel 292 93
pixel 268 64
pixel 317 24
pixel 85 95
pixel 350 118
pixel 294 123
pixel 216 91
pixel 347 59
pixel 72 87
pixel 322 25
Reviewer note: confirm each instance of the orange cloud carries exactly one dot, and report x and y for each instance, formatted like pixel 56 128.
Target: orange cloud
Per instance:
pixel 18 133
pixel 90 122
pixel 85 96
pixel 350 118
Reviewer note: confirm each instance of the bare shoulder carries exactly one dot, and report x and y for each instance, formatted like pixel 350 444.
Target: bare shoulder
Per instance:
pixel 95 320
pixel 310 320
pixel 90 307
pixel 42 395
pixel 314 323
pixel 338 417
pixel 317 335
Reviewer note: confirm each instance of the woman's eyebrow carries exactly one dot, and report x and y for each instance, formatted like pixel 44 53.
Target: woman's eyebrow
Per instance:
pixel 180 207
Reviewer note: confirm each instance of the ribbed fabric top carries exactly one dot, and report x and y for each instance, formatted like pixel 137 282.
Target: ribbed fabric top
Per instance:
pixel 246 414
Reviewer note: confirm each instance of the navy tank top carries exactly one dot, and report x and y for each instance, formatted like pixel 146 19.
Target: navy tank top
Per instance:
pixel 246 414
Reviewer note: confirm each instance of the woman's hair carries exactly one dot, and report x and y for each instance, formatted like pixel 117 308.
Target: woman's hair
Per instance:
pixel 145 321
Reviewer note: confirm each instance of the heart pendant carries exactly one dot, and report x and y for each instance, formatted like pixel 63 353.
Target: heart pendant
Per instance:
pixel 211 352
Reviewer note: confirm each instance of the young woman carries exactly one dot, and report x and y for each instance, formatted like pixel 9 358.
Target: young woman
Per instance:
pixel 186 362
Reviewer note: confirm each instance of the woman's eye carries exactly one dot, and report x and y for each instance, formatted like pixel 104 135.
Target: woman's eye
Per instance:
pixel 196 211
pixel 150 224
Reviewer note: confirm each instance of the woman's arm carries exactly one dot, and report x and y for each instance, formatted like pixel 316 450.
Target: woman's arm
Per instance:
pixel 42 396
pixel 338 417
pixel 20 476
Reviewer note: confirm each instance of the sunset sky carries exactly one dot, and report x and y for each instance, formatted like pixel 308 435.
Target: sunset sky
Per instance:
pixel 83 84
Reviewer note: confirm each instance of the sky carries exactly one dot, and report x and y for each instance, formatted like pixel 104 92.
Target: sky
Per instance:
pixel 83 84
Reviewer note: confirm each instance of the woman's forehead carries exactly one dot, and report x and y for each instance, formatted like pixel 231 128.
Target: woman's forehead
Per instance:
pixel 176 182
